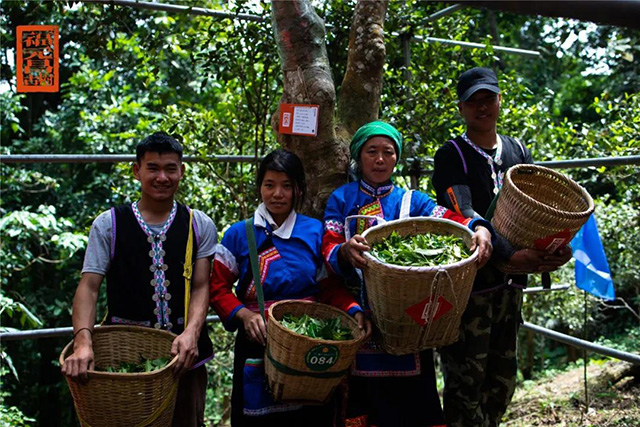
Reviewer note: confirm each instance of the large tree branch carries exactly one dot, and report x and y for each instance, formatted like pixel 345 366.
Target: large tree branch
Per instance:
pixel 300 35
pixel 359 99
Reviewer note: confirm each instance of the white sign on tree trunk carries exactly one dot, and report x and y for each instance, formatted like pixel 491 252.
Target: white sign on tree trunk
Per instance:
pixel 297 119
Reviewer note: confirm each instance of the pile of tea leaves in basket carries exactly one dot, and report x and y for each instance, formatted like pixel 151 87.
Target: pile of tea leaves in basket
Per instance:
pixel 421 250
pixel 326 329
pixel 144 365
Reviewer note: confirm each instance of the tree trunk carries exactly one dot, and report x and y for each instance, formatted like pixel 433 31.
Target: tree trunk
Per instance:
pixel 300 36
pixel 359 100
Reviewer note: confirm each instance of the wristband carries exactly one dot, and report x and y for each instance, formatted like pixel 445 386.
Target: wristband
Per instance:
pixel 80 330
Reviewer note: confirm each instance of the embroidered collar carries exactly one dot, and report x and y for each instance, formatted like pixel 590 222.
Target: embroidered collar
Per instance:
pixel 145 227
pixel 263 217
pixel 370 190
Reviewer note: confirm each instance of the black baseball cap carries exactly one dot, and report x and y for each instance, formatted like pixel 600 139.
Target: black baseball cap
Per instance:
pixel 475 79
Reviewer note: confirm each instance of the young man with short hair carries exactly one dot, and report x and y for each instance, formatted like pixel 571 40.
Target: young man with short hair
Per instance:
pixel 480 368
pixel 141 249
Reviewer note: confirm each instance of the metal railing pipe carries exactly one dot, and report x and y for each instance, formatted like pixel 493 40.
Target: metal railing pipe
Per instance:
pixel 442 13
pixel 57 332
pixel 513 50
pixel 174 8
pixel 112 158
pixel 248 17
pixel 577 342
pixel 539 289
pixel 596 161
pixel 116 158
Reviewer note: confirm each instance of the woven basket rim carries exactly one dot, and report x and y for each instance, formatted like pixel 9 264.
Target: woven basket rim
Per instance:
pixel 370 258
pixel 534 202
pixel 120 375
pixel 318 340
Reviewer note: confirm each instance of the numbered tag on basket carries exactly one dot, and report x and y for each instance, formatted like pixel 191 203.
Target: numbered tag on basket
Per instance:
pixel 553 242
pixel 424 311
pixel 322 357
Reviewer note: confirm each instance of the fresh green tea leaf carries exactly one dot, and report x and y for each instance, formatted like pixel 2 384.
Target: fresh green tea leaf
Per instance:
pixel 145 365
pixel 330 329
pixel 421 250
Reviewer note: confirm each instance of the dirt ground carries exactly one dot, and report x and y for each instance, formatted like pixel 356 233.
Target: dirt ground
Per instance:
pixel 613 393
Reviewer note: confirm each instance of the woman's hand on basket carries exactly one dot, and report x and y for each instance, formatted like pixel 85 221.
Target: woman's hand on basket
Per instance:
pixel 534 260
pixel 364 324
pixel 77 365
pixel 352 250
pixel 185 346
pixel 482 240
pixel 254 326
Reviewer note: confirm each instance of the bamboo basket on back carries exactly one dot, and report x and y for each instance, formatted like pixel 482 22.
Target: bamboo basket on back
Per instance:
pixel 122 399
pixel 539 208
pixel 303 369
pixel 417 308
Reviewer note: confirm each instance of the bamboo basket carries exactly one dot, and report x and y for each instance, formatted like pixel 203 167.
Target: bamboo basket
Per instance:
pixel 120 399
pixel 539 208
pixel 302 369
pixel 418 308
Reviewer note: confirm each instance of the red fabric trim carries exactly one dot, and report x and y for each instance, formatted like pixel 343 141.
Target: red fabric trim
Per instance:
pixel 360 421
pixel 330 239
pixel 222 298
pixel 449 214
pixel 333 292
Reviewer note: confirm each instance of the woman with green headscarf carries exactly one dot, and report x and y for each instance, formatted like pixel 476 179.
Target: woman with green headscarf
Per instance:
pixel 385 390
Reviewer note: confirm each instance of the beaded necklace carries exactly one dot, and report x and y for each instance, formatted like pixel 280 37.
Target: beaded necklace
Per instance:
pixel 161 297
pixel 495 176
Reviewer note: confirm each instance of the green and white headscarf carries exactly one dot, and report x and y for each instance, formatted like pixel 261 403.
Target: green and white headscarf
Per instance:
pixel 370 130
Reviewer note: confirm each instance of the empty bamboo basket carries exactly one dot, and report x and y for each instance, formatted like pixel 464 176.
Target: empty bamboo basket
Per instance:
pixel 539 208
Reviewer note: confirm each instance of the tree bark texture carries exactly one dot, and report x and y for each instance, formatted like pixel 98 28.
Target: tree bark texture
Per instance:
pixel 300 36
pixel 622 13
pixel 359 100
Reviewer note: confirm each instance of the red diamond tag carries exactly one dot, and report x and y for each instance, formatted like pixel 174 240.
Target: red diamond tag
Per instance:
pixel 420 311
pixel 553 242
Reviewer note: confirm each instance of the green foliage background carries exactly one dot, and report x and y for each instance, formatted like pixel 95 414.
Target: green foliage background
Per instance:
pixel 216 82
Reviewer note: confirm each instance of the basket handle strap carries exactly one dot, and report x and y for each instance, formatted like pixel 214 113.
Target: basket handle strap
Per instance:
pixel 165 404
pixel 347 230
pixel 255 270
pixel 188 269
pixel 433 293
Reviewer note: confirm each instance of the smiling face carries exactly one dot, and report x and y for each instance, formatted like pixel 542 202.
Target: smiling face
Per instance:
pixel 377 160
pixel 159 175
pixel 276 192
pixel 481 110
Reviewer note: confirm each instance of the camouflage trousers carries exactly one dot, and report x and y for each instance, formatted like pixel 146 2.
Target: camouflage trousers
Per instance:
pixel 480 368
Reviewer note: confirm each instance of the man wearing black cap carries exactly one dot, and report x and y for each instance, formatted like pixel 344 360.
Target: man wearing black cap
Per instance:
pixel 480 368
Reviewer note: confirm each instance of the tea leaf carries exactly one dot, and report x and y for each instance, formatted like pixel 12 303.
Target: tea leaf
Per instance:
pixel 421 250
pixel 329 329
